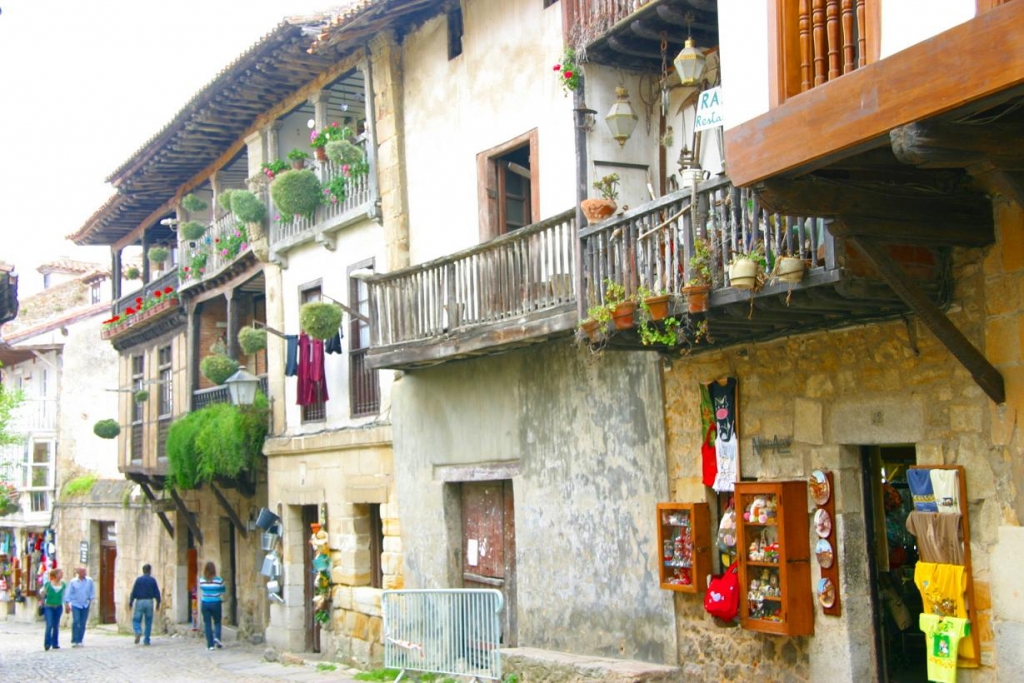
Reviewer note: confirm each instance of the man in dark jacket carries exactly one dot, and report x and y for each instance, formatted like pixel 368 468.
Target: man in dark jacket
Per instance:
pixel 144 593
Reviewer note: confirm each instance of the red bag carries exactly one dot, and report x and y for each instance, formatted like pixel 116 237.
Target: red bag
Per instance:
pixel 723 597
pixel 709 460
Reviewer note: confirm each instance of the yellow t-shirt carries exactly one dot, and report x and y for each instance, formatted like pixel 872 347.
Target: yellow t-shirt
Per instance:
pixel 943 634
pixel 942 589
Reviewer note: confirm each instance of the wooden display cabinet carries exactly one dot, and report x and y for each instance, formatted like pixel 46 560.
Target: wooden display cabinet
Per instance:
pixel 684 546
pixel 774 553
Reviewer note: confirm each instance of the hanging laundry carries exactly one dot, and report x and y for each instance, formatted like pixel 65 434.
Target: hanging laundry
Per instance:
pixel 301 368
pixel 291 352
pixel 333 344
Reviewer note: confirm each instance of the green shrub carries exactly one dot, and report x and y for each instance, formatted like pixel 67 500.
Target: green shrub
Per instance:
pixel 192 203
pixel 247 207
pixel 217 367
pixel 224 199
pixel 296 193
pixel 191 230
pixel 141 396
pixel 158 254
pixel 320 320
pixel 182 456
pixel 252 339
pixel 343 152
pixel 106 429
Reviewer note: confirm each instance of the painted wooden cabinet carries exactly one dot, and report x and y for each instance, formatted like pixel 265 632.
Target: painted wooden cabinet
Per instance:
pixel 684 546
pixel 774 553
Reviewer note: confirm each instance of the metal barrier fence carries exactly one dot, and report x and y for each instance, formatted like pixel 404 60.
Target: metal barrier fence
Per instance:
pixel 445 631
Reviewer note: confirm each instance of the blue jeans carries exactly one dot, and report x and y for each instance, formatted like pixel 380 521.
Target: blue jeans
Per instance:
pixel 79 615
pixel 143 610
pixel 211 611
pixel 52 615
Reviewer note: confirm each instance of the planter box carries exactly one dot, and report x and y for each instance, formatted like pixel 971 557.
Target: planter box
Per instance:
pixel 152 313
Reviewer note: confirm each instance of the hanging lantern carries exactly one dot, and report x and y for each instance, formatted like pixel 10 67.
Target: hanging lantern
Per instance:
pixel 621 118
pixel 689 64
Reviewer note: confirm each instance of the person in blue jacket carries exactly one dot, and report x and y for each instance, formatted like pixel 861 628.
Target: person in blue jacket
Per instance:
pixel 211 595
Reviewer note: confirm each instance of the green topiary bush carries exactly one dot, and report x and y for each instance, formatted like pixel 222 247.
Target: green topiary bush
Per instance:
pixel 320 320
pixel 191 230
pixel 106 429
pixel 224 199
pixel 158 254
pixel 192 203
pixel 217 367
pixel 247 207
pixel 252 340
pixel 296 193
pixel 343 152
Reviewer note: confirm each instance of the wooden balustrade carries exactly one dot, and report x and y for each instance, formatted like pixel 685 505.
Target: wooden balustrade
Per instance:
pixel 525 272
pixel 832 39
pixel 168 279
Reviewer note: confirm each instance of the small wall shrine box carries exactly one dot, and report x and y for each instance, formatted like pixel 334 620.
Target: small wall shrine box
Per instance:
pixel 774 554
pixel 684 546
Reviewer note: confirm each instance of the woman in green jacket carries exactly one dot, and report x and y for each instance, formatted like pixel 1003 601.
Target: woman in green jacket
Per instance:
pixel 52 598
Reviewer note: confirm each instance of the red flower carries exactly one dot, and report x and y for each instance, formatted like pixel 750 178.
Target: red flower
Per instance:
pixel 158 294
pixel 138 299
pixel 557 67
pixel 186 269
pixel 216 239
pixel 567 74
pixel 168 289
pixel 129 311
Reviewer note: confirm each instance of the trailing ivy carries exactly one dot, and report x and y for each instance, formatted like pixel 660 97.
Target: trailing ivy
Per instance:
pixel 220 440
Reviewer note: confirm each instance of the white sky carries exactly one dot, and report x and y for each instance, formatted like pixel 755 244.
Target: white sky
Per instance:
pixel 83 84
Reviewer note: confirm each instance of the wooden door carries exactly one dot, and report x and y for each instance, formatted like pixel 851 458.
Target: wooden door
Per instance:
pixel 309 515
pixel 488 545
pixel 108 559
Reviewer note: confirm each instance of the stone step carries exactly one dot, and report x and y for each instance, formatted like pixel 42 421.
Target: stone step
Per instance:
pixel 533 665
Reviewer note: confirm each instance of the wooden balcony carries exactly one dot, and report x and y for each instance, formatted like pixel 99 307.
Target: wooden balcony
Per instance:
pixel 520 289
pixel 158 314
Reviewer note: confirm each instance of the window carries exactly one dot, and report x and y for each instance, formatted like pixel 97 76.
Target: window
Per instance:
pixel 166 401
pixel 454 33
pixel 364 385
pixel 312 412
pixel 138 377
pixel 509 186
pixel 39 474
pixel 95 292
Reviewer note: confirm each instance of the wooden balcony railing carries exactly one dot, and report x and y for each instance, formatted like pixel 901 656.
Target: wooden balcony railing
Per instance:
pixel 820 40
pixel 33 415
pixel 218 394
pixel 651 246
pixel 592 18
pixel 359 192
pixel 168 279
pixel 525 272
pixel 224 242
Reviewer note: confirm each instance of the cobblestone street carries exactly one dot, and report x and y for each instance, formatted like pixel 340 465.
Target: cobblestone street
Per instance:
pixel 110 657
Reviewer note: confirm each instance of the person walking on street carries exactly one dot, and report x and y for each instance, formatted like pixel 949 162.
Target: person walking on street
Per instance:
pixel 52 597
pixel 211 589
pixel 145 593
pixel 79 596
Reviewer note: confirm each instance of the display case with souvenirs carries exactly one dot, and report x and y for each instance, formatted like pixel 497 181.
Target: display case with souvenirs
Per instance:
pixel 684 546
pixel 774 557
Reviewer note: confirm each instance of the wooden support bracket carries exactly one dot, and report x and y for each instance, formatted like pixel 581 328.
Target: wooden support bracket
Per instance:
pixel 987 377
pixel 159 513
pixel 239 524
pixel 189 520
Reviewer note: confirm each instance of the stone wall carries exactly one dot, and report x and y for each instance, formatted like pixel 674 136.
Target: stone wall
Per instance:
pixel 831 392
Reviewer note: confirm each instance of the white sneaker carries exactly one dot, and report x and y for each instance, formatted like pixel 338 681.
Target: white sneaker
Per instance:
pixel 210 649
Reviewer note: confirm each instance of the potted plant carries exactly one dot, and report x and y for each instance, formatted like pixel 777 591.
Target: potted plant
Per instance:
pixel 252 339
pixel 295 192
pixel 217 367
pixel 790 269
pixel 193 204
pixel 746 271
pixel 132 273
pixel 298 158
pixel 698 285
pixel 667 333
pixel 318 139
pixel 247 207
pixel 141 396
pixel 106 429
pixel 320 320
pixel 342 151
pixel 191 230
pixel 158 255
pixel 653 306
pixel 599 209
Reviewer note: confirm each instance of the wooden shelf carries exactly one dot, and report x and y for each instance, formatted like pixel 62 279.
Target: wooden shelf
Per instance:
pixel 684 546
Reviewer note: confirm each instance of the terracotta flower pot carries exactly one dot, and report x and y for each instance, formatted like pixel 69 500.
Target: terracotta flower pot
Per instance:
pixel 697 297
pixel 624 314
pixel 592 329
pixel 321 154
pixel 597 210
pixel 658 306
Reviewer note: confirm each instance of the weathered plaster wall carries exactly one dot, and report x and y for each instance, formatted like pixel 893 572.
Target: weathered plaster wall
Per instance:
pixel 879 384
pixel 587 434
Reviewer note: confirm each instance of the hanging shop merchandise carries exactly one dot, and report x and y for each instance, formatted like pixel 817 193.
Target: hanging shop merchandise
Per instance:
pixel 724 401
pixel 826 548
pixel 943 574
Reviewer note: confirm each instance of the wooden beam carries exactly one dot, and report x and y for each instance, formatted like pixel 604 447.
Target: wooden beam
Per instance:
pixel 1009 184
pixel 987 377
pixel 885 211
pixel 159 513
pixel 180 504
pixel 944 144
pixel 917 83
pixel 235 519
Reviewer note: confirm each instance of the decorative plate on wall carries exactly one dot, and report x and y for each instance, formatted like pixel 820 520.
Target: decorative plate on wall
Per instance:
pixel 823 551
pixel 826 593
pixel 822 523
pixel 820 490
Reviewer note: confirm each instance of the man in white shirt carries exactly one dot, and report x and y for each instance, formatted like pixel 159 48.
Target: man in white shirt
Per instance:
pixel 79 596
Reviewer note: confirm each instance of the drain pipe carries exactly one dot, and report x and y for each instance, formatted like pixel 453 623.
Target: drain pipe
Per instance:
pixel 580 116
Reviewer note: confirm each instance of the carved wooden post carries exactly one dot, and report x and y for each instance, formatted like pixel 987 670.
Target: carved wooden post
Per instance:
pixel 818 33
pixel 805 45
pixel 848 53
pixel 832 24
pixel 862 56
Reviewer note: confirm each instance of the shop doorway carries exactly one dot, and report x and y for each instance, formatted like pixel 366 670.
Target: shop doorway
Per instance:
pixel 228 570
pixel 310 515
pixel 892 553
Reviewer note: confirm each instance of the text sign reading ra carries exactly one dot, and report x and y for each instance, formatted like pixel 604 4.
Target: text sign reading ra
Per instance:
pixel 710 110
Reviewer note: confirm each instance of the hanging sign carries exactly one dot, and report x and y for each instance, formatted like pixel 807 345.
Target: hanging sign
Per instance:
pixel 83 552
pixel 710 110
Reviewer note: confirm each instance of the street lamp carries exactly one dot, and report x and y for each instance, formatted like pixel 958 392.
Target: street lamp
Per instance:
pixel 242 387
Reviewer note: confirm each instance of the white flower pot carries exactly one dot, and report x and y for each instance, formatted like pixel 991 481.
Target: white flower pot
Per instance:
pixel 743 274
